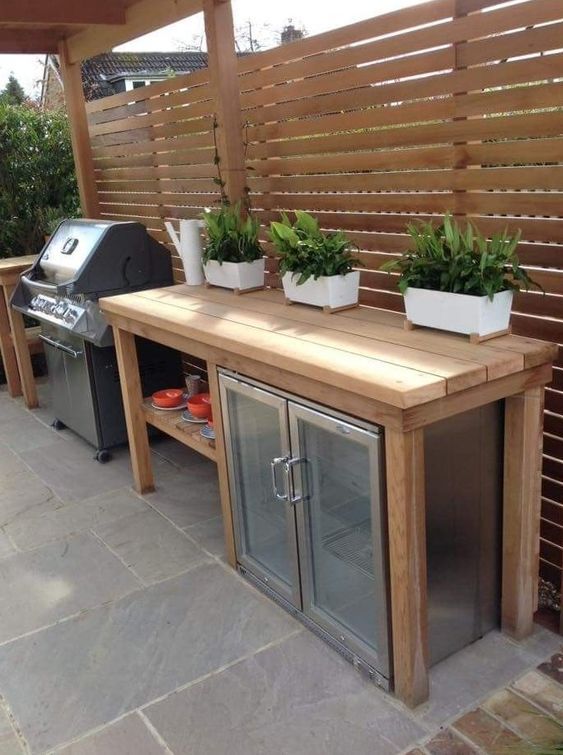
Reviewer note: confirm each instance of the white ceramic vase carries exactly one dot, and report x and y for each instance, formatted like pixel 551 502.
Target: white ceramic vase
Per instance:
pixel 240 276
pixel 328 291
pixel 459 313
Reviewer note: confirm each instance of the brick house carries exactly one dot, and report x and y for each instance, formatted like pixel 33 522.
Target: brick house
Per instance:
pixel 114 72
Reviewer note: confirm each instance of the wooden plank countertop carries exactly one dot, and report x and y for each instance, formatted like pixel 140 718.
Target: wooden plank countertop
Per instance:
pixel 364 351
pixel 14 266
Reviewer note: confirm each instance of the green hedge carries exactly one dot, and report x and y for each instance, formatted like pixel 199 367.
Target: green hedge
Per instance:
pixel 37 178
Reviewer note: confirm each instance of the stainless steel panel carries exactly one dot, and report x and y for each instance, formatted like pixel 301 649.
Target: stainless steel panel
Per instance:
pixel 256 436
pixel 71 394
pixel 69 248
pixel 464 462
pixel 341 532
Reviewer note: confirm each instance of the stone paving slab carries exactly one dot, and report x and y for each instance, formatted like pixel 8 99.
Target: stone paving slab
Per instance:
pixel 543 692
pixel 22 493
pixel 296 697
pixel 210 535
pixel 447 742
pixel 69 470
pixel 45 585
pixel 39 527
pixel 9 742
pixel 129 736
pixel 80 674
pixel 187 497
pixel 6 547
pixel 150 546
pixel 523 717
pixel 476 671
pixel 486 732
pixel 24 433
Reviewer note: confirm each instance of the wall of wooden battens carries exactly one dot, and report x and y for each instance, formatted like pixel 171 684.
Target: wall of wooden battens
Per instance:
pixel 450 105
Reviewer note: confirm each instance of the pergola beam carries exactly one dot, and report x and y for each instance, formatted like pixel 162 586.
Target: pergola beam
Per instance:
pixel 78 122
pixel 141 18
pixel 16 41
pixel 223 76
pixel 65 12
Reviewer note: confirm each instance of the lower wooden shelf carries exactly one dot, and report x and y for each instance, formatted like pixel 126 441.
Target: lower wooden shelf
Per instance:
pixel 187 433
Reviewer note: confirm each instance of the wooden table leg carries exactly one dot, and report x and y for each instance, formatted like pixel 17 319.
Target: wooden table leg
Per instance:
pixel 132 393
pixel 23 357
pixel 523 440
pixel 407 555
pixel 7 350
pixel 222 470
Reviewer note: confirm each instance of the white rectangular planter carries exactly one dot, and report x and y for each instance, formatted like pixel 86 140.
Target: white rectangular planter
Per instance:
pixel 329 291
pixel 240 276
pixel 459 313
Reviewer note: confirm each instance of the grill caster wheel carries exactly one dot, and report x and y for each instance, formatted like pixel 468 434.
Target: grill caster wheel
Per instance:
pixel 103 456
pixel 56 424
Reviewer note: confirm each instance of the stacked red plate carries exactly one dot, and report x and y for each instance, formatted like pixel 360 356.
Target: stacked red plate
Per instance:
pixel 170 398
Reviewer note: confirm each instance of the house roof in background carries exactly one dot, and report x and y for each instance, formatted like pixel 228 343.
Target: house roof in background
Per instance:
pixel 101 72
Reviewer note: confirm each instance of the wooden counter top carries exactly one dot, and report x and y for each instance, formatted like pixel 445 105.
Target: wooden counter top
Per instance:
pixel 12 267
pixel 364 351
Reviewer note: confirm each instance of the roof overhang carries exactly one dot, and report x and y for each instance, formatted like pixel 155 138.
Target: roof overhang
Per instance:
pixel 88 26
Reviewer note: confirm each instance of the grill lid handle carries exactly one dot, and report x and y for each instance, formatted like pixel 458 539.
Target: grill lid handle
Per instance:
pixel 70 245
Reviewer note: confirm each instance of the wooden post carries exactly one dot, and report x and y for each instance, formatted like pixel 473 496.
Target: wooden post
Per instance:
pixel 131 391
pixel 21 347
pixel 7 350
pixel 407 563
pixel 523 440
pixel 82 151
pixel 223 74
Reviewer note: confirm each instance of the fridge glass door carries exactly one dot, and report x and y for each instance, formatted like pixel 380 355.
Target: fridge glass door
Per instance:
pixel 257 434
pixel 340 523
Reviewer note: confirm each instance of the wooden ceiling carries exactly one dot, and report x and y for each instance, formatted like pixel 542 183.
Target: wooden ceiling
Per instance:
pixel 88 26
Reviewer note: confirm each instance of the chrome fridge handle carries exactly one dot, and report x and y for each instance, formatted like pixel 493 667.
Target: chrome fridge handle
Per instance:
pixel 274 464
pixel 288 466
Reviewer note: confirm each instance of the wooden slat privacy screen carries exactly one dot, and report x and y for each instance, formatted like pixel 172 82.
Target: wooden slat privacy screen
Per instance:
pixel 153 152
pixel 450 105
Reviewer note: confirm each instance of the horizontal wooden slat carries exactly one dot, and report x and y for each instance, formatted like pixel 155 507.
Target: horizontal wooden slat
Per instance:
pixel 482 103
pixel 145 93
pixel 440 180
pixel 157 185
pixel 199 98
pixel 204 139
pixel 527 125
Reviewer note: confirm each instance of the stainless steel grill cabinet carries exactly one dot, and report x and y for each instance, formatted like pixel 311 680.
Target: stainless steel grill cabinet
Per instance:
pixel 83 261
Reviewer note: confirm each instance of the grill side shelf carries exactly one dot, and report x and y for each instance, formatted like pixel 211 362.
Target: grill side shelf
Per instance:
pixel 172 424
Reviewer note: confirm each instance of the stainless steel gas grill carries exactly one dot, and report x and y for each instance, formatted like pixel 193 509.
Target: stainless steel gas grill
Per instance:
pixel 84 261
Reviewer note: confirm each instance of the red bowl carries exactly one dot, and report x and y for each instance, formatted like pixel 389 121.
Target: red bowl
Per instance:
pixel 169 398
pixel 199 406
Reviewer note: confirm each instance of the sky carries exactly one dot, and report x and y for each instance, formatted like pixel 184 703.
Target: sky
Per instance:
pixel 314 15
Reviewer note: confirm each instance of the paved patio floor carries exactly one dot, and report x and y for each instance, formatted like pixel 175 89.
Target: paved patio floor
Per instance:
pixel 123 631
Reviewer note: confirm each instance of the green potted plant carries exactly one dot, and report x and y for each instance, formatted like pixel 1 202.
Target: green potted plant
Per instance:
pixel 232 256
pixel 458 280
pixel 317 268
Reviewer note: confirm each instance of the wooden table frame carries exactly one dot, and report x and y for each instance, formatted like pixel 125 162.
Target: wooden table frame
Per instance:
pixel 404 438
pixel 14 342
